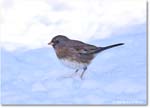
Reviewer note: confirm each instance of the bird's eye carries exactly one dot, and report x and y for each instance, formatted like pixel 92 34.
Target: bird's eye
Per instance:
pixel 56 41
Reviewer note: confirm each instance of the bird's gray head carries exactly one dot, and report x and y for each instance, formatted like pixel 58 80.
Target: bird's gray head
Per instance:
pixel 58 40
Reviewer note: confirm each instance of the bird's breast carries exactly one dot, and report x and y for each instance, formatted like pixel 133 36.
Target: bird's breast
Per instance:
pixel 73 64
pixel 71 58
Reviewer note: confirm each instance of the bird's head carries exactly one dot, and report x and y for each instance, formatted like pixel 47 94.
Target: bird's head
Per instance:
pixel 58 40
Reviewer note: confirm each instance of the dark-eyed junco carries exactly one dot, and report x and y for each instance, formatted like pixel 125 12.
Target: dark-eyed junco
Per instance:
pixel 76 54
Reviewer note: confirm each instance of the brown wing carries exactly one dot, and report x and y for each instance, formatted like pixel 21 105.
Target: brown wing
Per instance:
pixel 82 48
pixel 76 51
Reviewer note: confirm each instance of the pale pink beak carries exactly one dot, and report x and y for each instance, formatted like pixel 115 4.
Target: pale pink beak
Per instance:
pixel 50 43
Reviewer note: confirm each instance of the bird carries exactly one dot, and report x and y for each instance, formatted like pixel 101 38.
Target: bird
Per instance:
pixel 76 54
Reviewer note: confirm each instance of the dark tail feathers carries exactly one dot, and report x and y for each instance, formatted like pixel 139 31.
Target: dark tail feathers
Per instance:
pixel 111 46
pixel 107 47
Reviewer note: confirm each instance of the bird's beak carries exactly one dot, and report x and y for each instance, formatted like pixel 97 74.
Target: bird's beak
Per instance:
pixel 50 43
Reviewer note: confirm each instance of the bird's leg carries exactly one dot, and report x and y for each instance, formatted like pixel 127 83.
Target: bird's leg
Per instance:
pixel 76 71
pixel 84 69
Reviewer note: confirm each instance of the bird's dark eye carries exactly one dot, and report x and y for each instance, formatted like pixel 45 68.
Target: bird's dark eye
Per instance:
pixel 56 41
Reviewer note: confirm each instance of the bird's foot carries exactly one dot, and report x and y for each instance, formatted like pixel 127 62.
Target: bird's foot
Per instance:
pixel 81 77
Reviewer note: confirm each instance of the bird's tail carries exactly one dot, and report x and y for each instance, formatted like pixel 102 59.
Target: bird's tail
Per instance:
pixel 108 47
pixel 111 46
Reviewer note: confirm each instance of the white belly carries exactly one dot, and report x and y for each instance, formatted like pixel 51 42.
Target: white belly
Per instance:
pixel 73 64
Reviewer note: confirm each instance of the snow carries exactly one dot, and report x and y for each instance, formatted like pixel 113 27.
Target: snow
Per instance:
pixel 116 76
pixel 31 23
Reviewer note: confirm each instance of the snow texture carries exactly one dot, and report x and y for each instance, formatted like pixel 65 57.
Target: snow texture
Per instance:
pixel 116 76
